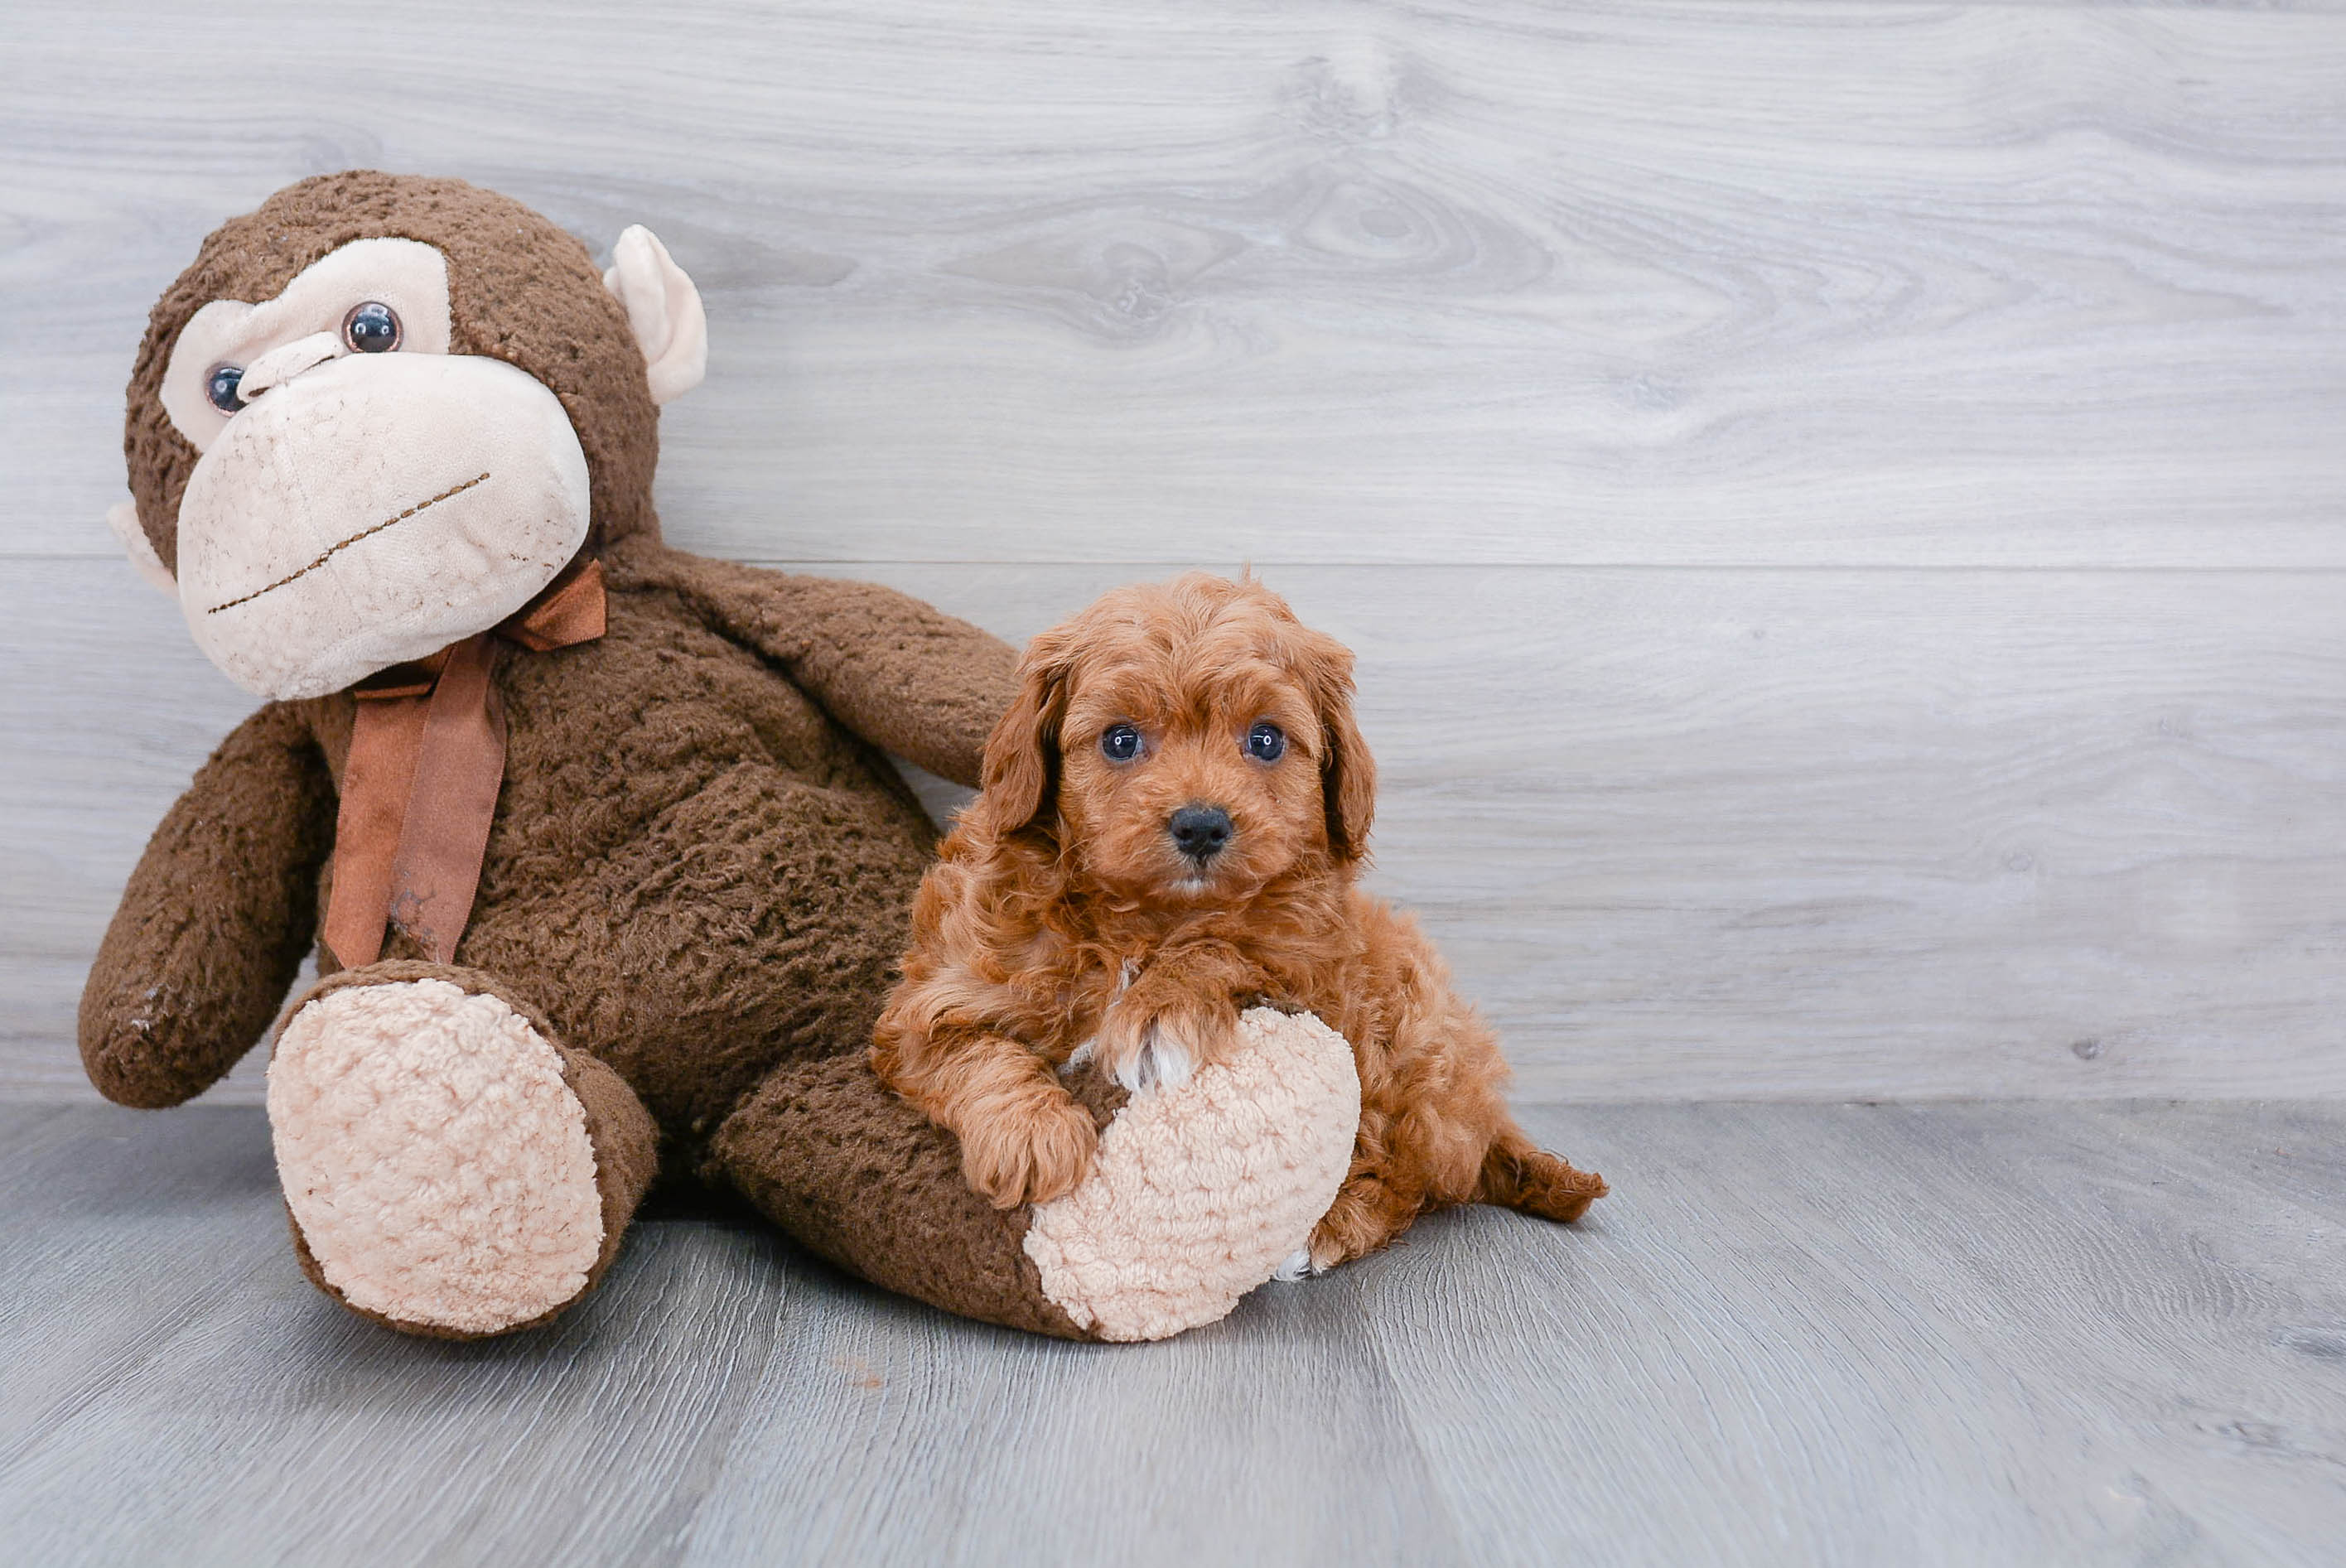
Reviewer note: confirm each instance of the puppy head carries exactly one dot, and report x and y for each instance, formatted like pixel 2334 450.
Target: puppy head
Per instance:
pixel 1187 742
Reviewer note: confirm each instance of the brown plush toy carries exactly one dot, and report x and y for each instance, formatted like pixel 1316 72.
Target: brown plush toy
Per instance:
pixel 606 865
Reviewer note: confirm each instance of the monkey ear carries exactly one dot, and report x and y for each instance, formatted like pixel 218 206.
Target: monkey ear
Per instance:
pixel 1022 756
pixel 663 310
pixel 123 518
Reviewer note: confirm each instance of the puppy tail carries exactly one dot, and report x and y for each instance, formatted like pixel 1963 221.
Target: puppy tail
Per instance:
pixel 1519 1175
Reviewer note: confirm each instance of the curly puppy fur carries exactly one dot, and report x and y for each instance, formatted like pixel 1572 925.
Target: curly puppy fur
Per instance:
pixel 1063 912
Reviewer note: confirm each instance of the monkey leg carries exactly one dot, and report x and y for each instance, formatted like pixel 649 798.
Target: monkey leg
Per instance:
pixel 449 1167
pixel 1197 1194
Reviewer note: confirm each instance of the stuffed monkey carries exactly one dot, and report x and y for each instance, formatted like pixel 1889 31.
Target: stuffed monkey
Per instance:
pixel 605 865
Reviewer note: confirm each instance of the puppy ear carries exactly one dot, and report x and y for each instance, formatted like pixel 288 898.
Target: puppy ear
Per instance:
pixel 1348 774
pixel 1022 756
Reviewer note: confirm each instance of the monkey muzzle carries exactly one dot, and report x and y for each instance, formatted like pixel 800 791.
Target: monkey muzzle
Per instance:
pixel 373 509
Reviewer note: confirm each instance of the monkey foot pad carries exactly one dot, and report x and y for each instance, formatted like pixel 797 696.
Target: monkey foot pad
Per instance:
pixel 1199 1192
pixel 438 1169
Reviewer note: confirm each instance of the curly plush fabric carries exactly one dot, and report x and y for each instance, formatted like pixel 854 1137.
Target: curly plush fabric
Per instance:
pixel 377 1094
pixel 695 891
pixel 1198 1194
pixel 867 1182
pixel 388 1091
pixel 696 870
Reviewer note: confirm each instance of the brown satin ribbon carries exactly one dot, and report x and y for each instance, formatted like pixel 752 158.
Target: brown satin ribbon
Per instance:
pixel 420 788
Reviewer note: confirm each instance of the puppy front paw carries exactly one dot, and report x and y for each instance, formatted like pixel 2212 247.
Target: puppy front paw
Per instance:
pixel 1160 1063
pixel 1031 1153
pixel 1156 1043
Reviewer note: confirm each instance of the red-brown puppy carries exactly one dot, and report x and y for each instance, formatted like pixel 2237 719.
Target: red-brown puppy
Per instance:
pixel 1175 812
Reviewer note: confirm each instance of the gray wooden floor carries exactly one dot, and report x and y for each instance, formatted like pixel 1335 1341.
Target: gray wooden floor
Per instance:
pixel 1854 1334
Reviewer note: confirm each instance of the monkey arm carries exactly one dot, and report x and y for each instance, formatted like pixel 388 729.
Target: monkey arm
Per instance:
pixel 213 925
pixel 905 676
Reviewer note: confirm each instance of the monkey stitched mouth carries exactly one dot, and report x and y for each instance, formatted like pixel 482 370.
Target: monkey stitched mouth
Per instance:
pixel 333 550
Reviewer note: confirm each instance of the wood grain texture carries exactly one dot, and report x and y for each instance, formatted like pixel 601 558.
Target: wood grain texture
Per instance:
pixel 1839 503
pixel 1790 834
pixel 2018 1333
pixel 1786 283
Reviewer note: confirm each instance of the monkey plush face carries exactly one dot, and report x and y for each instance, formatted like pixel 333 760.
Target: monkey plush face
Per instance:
pixel 370 461
pixel 364 496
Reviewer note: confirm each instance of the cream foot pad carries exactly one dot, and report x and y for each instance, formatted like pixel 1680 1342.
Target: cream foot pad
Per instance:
pixel 439 1168
pixel 1199 1192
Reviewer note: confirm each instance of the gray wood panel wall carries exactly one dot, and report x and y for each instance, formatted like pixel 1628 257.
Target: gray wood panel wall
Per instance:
pixel 1842 506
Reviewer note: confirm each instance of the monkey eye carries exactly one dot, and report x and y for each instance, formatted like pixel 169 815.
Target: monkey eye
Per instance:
pixel 1119 743
pixel 1266 742
pixel 220 385
pixel 372 328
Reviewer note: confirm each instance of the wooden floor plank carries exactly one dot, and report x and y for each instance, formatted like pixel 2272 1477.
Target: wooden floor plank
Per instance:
pixel 179 1393
pixel 2023 1333
pixel 121 1231
pixel 1957 1334
pixel 888 1433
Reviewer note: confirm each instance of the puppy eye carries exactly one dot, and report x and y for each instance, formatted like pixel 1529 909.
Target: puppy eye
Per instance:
pixel 220 386
pixel 371 328
pixel 1266 743
pixel 1119 743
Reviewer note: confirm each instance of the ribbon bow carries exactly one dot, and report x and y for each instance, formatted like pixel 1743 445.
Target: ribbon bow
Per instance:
pixel 420 789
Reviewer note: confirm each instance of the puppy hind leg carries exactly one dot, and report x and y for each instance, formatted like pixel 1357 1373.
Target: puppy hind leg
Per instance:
pixel 1519 1175
pixel 1368 1212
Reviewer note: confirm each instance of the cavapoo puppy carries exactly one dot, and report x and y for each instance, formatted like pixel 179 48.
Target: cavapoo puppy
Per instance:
pixel 1175 812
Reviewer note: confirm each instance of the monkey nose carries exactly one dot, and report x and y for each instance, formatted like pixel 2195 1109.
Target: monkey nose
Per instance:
pixel 1199 831
pixel 285 362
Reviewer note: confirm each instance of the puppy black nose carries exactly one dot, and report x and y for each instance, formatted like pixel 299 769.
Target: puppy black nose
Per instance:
pixel 1199 831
